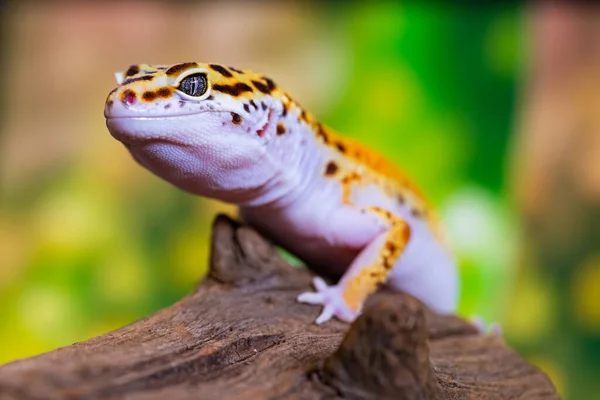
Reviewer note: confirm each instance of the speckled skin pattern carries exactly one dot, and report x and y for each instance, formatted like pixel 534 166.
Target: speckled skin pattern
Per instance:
pixel 234 135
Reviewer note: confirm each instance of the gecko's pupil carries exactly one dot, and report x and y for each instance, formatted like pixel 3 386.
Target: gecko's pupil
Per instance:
pixel 193 85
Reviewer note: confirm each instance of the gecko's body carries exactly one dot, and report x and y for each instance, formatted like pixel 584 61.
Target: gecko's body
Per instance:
pixel 235 136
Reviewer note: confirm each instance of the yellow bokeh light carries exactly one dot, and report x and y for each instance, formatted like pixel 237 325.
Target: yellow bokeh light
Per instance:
pixel 585 290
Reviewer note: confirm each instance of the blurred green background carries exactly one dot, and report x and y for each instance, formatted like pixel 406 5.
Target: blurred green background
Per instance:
pixel 89 241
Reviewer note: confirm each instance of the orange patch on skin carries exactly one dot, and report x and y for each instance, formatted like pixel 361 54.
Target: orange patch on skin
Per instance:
pixel 384 170
pixel 347 181
pixel 376 273
pixel 369 158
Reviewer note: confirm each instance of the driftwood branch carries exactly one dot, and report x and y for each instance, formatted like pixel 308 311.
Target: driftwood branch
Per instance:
pixel 242 335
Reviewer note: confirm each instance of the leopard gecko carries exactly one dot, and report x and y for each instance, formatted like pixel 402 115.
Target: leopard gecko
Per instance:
pixel 236 136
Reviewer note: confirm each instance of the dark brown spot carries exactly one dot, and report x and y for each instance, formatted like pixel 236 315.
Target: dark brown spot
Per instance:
pixel 234 90
pixel 211 97
pixel 391 247
pixel 222 70
pixel 164 92
pixel 149 96
pixel 181 104
pixel 280 129
pixel 236 70
pixel 270 84
pixel 128 94
pixel 109 104
pixel 417 213
pixel 167 106
pixel 253 104
pixel 340 146
pixel 246 107
pixel 331 168
pixel 400 198
pixel 285 109
pixel 112 91
pixel 261 87
pixel 132 70
pixel 322 134
pixel 236 118
pixel 141 78
pixel 303 115
pixel 262 105
pixel 178 68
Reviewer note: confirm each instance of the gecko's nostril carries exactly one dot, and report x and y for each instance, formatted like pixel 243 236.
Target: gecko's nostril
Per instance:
pixel 130 99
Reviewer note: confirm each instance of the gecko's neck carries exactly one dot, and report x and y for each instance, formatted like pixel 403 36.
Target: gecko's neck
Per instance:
pixel 295 157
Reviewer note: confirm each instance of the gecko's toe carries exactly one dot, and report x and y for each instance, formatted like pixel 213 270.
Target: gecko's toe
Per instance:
pixel 326 314
pixel 496 329
pixel 330 297
pixel 320 284
pixel 311 298
pixel 478 323
pixel 493 328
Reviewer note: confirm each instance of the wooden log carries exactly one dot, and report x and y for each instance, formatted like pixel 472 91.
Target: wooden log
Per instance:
pixel 242 335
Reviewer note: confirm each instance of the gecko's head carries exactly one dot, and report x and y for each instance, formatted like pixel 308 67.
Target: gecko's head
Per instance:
pixel 203 127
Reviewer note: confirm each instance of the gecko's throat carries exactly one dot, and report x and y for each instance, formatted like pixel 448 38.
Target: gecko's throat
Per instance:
pixel 198 153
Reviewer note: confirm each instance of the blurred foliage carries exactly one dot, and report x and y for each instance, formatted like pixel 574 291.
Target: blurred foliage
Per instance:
pixel 91 242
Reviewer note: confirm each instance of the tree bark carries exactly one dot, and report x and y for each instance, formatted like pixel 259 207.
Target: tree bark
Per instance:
pixel 242 335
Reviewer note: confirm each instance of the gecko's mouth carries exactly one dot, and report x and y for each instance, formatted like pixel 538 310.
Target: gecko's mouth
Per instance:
pixel 179 129
pixel 156 116
pixel 134 130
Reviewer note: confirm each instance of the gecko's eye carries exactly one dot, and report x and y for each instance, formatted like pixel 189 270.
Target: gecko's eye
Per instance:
pixel 194 85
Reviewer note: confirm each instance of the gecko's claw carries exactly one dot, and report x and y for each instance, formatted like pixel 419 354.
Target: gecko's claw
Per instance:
pixel 332 300
pixel 320 284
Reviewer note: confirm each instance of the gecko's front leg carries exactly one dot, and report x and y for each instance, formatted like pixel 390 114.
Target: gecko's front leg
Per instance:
pixel 368 270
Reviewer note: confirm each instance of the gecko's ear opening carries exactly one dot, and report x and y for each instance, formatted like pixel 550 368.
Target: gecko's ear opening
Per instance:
pixel 120 77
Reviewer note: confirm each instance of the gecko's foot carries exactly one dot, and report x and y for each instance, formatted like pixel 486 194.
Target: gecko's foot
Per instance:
pixel 493 328
pixel 330 297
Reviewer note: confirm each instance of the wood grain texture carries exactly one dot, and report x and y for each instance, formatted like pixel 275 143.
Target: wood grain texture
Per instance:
pixel 242 335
